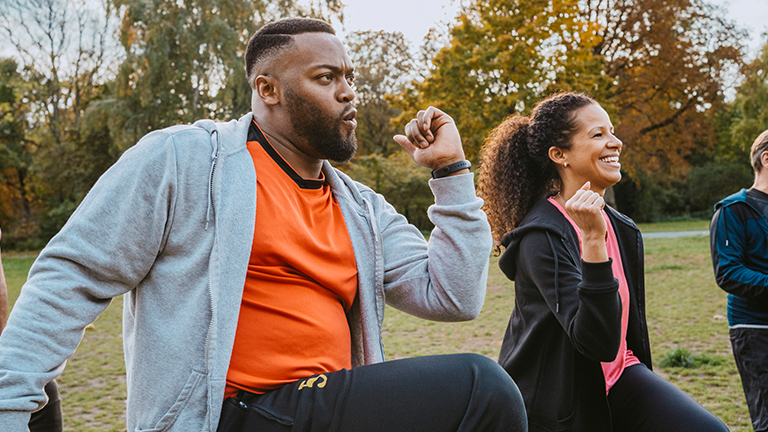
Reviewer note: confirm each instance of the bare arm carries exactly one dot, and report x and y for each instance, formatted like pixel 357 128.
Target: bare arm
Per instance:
pixel 3 292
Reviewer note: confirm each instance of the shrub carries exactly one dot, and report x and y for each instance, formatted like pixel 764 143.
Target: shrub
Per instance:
pixel 711 182
pixel 403 183
pixel 681 357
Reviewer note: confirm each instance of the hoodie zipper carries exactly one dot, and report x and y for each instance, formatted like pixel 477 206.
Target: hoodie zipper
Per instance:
pixel 557 272
pixel 374 230
pixel 214 162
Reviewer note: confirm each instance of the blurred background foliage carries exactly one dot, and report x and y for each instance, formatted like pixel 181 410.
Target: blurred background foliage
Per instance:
pixel 88 78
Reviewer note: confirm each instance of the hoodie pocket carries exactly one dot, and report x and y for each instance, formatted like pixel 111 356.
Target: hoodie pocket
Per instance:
pixel 188 411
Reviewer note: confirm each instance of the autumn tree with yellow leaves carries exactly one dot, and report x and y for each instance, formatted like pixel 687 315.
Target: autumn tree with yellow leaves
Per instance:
pixel 657 66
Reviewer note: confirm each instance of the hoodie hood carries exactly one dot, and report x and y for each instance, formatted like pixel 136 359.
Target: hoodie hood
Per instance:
pixel 237 140
pixel 543 216
pixel 740 196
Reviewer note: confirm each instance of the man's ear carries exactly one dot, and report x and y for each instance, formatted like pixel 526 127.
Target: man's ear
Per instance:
pixel 764 159
pixel 557 156
pixel 267 89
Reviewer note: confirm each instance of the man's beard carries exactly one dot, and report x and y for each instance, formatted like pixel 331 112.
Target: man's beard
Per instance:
pixel 320 129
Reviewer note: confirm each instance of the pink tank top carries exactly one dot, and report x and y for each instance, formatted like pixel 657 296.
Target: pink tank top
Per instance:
pixel 625 358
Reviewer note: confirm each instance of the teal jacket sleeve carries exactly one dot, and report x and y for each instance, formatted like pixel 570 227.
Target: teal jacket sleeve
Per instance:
pixel 730 257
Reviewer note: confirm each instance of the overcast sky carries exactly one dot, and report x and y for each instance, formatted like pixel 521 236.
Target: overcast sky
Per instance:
pixel 414 18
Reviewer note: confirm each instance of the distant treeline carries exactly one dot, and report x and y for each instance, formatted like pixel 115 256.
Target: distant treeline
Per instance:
pixel 86 80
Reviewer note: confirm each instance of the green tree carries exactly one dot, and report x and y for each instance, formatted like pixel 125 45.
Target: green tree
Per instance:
pixel 64 54
pixel 751 103
pixel 185 58
pixel 65 46
pixel 383 66
pixel 15 154
pixel 177 61
pixel 497 63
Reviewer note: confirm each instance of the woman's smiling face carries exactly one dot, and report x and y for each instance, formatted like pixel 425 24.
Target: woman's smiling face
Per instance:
pixel 595 150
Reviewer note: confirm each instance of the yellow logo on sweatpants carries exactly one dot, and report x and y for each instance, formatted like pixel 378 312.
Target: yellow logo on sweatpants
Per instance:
pixel 311 381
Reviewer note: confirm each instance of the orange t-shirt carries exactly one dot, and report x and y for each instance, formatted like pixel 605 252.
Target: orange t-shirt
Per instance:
pixel 301 280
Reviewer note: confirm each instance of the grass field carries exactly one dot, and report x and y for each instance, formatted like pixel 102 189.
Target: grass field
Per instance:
pixel 685 310
pixel 688 225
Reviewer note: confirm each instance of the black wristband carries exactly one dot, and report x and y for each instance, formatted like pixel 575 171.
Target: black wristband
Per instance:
pixel 450 169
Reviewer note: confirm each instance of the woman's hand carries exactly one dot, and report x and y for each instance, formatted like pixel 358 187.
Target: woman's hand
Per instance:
pixel 585 208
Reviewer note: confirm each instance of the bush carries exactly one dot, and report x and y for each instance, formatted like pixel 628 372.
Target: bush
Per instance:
pixel 655 200
pixel 711 182
pixel 403 183
pixel 659 199
pixel 681 357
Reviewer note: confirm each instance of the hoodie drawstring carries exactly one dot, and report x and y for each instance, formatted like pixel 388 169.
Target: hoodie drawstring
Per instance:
pixel 557 288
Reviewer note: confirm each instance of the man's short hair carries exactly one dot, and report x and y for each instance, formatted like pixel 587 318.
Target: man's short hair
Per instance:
pixel 277 36
pixel 758 147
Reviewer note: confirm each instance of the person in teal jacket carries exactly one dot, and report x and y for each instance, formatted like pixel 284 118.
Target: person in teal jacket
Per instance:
pixel 171 227
pixel 739 245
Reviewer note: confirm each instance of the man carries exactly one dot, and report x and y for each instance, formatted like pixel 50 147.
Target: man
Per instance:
pixel 739 243
pixel 255 274
pixel 48 419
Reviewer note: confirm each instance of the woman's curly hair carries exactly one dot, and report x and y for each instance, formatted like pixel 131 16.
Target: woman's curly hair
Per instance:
pixel 515 165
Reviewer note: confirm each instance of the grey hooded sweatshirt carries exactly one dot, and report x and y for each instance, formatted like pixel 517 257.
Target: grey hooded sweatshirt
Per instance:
pixel 170 226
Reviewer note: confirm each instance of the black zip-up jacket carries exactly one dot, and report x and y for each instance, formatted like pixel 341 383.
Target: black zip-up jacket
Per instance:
pixel 567 319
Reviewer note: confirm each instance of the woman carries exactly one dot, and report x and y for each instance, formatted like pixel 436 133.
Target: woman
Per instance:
pixel 577 341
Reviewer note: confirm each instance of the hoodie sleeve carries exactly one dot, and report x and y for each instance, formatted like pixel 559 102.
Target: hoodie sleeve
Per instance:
pixel 105 249
pixel 443 279
pixel 728 237
pixel 584 300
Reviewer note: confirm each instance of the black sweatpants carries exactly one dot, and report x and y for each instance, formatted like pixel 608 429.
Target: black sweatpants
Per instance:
pixel 644 402
pixel 460 392
pixel 750 350
pixel 48 419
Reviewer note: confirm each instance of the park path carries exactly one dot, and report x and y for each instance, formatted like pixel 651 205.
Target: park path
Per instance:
pixel 674 234
pixel 20 255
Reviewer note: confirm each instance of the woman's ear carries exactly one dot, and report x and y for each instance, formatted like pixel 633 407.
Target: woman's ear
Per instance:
pixel 267 89
pixel 557 156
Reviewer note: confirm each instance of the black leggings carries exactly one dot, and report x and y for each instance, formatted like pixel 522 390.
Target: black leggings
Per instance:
pixel 461 392
pixel 643 401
